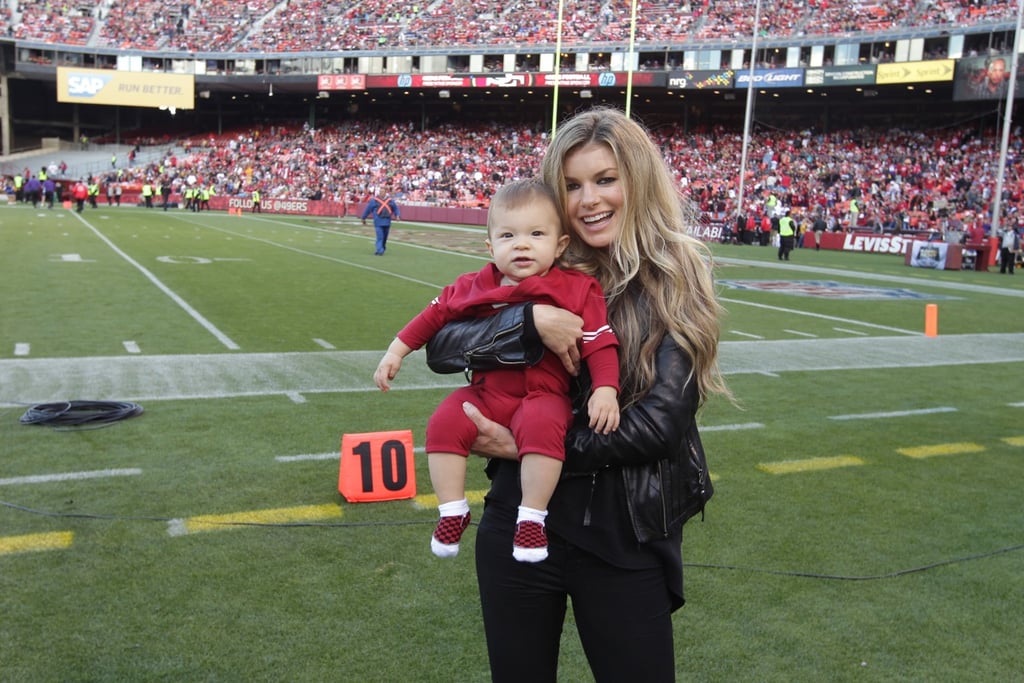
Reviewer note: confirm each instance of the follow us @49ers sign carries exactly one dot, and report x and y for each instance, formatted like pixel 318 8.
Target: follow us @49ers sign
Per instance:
pixel 377 466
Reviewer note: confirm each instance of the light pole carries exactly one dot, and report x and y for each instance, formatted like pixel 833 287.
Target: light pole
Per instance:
pixel 1001 169
pixel 750 107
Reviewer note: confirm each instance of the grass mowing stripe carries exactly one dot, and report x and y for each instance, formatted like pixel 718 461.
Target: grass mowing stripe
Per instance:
pixel 809 465
pixel 811 314
pixel 196 315
pixel 940 449
pixel 894 413
pixel 332 259
pixel 70 476
pixel 201 523
pixel 53 540
pixel 884 277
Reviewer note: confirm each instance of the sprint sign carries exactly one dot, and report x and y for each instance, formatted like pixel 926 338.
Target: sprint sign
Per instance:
pixel 377 466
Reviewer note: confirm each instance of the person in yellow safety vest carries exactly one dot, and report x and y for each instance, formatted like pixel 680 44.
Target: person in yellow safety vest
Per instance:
pixel 147 194
pixel 854 213
pixel 204 197
pixel 19 187
pixel 42 174
pixel 256 201
pixel 94 192
pixel 787 234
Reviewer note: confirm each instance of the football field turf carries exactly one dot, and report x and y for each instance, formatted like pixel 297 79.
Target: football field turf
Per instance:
pixel 867 523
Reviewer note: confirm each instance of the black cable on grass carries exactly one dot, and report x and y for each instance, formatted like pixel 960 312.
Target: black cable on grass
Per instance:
pixel 695 565
pixel 867 577
pixel 80 413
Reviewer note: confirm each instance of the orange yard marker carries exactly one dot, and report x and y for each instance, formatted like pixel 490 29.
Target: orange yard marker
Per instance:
pixel 377 466
pixel 931 320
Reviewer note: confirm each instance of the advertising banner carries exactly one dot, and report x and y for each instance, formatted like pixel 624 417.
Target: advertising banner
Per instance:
pixel 771 78
pixel 564 79
pixel 928 254
pixel 128 88
pixel 830 76
pixel 701 79
pixel 340 82
pixel 915 72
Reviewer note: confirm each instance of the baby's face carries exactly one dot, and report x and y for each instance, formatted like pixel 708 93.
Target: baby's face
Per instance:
pixel 525 240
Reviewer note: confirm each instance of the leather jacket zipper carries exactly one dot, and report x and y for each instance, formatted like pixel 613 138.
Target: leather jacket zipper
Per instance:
pixel 590 499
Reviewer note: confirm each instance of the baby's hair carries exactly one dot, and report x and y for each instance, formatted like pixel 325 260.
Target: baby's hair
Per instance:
pixel 520 192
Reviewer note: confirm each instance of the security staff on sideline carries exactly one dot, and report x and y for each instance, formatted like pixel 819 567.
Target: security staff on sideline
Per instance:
pixel 787 233
pixel 383 211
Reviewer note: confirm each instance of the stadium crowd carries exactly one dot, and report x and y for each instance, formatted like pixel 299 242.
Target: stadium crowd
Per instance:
pixel 901 180
pixel 318 25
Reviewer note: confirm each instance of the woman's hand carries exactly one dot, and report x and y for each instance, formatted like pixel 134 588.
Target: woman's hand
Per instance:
pixel 561 332
pixel 492 439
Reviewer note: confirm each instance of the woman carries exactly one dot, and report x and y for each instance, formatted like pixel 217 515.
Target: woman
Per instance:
pixel 615 520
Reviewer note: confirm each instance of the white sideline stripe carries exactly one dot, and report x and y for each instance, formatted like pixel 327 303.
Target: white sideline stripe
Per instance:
pixel 22 349
pixel 224 375
pixel 132 347
pixel 732 428
pixel 196 315
pixel 325 344
pixel 69 476
pixel 895 413
pixel 801 334
pixel 846 331
pixel 295 397
pixel 1016 405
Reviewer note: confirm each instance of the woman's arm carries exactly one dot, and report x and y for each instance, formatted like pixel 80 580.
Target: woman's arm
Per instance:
pixel 648 430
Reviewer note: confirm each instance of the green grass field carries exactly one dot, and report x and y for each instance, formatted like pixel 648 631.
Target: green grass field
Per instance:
pixel 867 525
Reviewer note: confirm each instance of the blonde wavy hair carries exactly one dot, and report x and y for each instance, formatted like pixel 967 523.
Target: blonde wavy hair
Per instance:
pixel 657 278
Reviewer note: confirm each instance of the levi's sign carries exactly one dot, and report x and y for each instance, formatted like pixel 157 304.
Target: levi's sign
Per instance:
pixel 877 244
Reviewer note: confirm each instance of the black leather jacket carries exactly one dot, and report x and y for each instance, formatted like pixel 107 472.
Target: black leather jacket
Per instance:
pixel 657 446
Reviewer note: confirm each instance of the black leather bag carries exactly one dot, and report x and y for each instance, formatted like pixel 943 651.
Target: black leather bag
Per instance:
pixel 483 344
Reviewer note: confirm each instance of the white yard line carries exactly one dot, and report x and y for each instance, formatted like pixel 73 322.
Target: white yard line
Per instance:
pixel 69 476
pixel 196 315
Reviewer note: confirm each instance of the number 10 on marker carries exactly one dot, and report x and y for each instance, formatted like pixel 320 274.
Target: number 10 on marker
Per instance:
pixel 377 466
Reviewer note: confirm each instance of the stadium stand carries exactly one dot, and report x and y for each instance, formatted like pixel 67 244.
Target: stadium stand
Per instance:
pixel 906 180
pixel 318 25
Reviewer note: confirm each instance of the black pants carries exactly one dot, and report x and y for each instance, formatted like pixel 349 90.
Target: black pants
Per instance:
pixel 1006 260
pixel 623 615
pixel 785 246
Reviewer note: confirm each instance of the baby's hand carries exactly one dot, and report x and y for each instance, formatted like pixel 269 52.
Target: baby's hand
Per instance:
pixel 603 409
pixel 386 370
